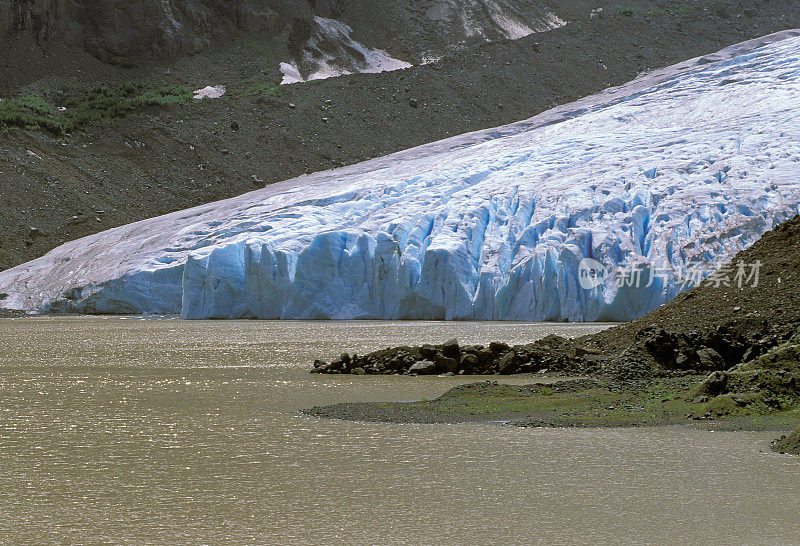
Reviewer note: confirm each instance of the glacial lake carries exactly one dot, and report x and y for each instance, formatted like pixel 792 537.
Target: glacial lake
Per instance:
pixel 160 430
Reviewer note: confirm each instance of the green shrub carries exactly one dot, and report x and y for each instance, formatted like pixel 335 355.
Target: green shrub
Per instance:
pixel 100 103
pixel 262 88
pixel 29 112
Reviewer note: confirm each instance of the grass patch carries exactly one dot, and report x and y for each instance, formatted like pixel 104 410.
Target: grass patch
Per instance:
pixel 262 88
pixel 670 11
pixel 660 402
pixel 100 103
pixel 668 401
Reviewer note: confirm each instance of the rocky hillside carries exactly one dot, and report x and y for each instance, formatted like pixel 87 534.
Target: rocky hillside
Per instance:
pixel 789 444
pixel 167 156
pixel 124 31
pixel 116 30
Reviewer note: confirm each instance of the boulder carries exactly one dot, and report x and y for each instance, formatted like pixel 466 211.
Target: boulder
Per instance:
pixel 451 348
pixel 716 382
pixel 659 343
pixel 423 367
pixel 446 364
pixel 428 351
pixel 498 347
pixel 336 365
pixel 399 362
pixel 485 356
pixel 710 359
pixel 584 351
pixel 506 364
pixel 470 363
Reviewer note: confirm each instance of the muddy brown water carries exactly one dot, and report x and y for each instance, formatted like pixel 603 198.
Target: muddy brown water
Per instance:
pixel 164 431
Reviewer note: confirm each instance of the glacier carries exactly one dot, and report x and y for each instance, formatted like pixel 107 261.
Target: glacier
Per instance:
pixel 690 163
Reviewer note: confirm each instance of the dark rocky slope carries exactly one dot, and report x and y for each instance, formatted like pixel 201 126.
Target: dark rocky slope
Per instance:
pixel 163 159
pixel 119 30
pixel 127 32
pixel 789 444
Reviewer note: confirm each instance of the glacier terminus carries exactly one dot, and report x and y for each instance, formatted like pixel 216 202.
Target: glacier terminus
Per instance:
pixel 691 163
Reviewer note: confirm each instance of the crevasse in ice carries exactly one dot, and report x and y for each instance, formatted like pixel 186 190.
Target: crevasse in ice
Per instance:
pixel 693 163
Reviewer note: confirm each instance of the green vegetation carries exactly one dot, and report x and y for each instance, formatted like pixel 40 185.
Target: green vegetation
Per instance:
pixel 261 88
pixel 659 403
pixel 760 393
pixel 630 12
pixel 790 444
pixel 763 385
pixel 662 401
pixel 98 104
pixel 29 112
pixel 671 11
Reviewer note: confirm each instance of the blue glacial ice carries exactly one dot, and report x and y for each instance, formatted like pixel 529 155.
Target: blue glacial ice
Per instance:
pixel 693 162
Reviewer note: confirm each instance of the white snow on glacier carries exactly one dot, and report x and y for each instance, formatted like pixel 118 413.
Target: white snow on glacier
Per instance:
pixel 694 162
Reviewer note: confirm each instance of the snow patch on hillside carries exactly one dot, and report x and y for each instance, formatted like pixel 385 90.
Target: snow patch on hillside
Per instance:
pixel 332 52
pixel 511 25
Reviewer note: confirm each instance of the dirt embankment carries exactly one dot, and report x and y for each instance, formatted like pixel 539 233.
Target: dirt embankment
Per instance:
pixel 168 158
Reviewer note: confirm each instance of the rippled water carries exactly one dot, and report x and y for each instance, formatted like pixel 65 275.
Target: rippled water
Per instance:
pixel 161 430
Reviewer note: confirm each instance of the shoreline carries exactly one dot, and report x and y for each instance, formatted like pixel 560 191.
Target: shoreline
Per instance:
pixel 574 403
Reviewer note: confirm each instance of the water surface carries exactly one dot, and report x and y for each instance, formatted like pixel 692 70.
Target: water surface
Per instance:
pixel 162 430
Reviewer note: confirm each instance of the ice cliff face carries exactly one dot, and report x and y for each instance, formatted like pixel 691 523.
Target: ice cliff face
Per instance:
pixel 691 163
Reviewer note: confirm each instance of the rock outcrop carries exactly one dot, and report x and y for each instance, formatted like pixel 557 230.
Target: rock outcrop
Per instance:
pixel 788 444
pixel 117 28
